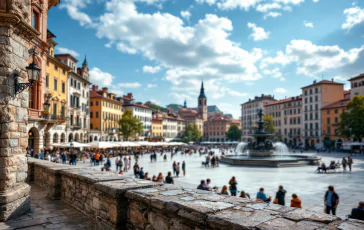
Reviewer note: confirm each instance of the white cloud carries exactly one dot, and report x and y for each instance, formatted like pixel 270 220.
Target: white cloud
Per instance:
pixel 149 86
pixel 312 59
pixel 275 73
pixel 179 97
pixel 282 79
pixel 129 85
pixel 258 32
pixel 125 49
pixel 308 24
pixel 186 15
pixel 155 102
pixel 230 108
pixel 100 78
pixel 280 90
pixel 316 1
pixel 151 69
pixel 238 94
pixel 354 16
pixel 73 9
pixel 268 7
pixel 67 51
pixel 272 15
pixel 209 2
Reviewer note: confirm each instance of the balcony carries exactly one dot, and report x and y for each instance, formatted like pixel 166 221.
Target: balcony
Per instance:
pixel 54 118
pixel 76 125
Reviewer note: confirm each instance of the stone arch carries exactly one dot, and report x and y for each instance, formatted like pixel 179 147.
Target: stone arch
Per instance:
pixel 34 141
pixel 55 138
pixel 63 137
pixel 95 138
pixel 70 137
pixel 90 138
pixel 81 138
pixel 77 137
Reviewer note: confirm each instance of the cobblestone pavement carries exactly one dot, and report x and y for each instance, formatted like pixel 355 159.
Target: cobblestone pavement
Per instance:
pixel 309 186
pixel 49 214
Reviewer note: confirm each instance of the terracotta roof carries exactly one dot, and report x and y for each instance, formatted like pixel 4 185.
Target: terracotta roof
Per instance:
pixel 323 82
pixel 235 121
pixel 347 94
pixel 286 100
pixel 337 104
pixel 94 94
pixel 357 77
pixel 188 111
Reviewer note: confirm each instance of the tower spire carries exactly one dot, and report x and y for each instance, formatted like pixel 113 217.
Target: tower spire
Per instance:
pixel 185 104
pixel 202 91
pixel 85 62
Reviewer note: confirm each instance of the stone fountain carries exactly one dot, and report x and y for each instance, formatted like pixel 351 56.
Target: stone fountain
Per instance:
pixel 261 146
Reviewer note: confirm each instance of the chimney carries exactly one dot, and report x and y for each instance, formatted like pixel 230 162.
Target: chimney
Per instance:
pixel 314 82
pixel 332 79
pixel 95 87
pixel 104 89
pixel 130 95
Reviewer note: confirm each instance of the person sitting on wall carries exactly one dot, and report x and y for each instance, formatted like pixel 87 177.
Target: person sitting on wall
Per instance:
pixel 358 213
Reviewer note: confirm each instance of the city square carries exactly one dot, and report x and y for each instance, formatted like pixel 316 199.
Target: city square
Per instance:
pixel 193 114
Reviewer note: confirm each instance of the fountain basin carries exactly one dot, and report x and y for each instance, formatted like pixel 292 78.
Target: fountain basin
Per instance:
pixel 271 161
pixel 258 153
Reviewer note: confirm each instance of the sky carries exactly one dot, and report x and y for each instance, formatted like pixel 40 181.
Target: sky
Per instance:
pixel 161 50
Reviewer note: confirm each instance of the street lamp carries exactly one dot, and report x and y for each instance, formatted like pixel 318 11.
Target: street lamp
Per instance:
pixel 33 74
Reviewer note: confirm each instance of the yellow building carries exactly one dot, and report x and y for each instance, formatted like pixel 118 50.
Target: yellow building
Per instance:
pixel 157 125
pixel 106 111
pixel 56 84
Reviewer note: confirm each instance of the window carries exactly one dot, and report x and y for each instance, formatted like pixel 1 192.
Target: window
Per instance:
pixel 97 103
pixel 91 126
pixel 55 84
pixel 64 71
pixel 47 81
pixel 328 120
pixel 91 103
pixel 316 98
pixel 336 120
pixel 310 91
pixel 55 67
pixel 328 130
pixel 306 100
pixel 336 111
pixel 78 86
pixel 316 90
pixel 91 114
pixel 63 87
pixel 47 63
pixel 35 20
pixel 30 97
pixel 71 82
pixel 328 111
pixel 54 108
pixel 97 114
pixel 305 92
pixel 310 99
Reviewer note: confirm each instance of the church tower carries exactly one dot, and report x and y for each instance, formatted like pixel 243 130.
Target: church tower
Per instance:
pixel 202 104
pixel 185 104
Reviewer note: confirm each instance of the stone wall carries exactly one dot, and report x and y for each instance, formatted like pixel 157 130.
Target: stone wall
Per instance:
pixel 121 202
pixel 15 36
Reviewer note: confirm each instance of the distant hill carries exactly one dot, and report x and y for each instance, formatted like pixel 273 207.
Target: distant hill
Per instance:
pixel 157 107
pixel 175 107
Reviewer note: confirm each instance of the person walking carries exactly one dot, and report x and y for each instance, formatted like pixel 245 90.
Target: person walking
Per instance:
pixel 233 188
pixel 344 162
pixel 117 163
pixel 280 195
pixel 296 202
pixel 350 162
pixel 184 168
pixel 174 165
pixel 331 200
pixel 126 164
pixel 178 169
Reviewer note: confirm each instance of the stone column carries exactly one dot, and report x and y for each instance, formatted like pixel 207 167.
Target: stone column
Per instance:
pixel 15 35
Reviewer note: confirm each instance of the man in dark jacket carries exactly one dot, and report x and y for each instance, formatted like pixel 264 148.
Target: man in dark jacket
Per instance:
pixel 280 195
pixel 331 200
pixel 358 213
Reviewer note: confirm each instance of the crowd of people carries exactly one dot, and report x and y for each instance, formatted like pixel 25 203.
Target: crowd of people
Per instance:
pixel 336 165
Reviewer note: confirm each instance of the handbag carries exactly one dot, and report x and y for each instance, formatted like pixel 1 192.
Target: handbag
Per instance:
pixel 275 201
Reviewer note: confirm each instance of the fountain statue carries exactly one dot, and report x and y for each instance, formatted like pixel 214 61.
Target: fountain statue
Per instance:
pixel 261 147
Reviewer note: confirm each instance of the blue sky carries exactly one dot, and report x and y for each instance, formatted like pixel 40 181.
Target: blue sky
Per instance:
pixel 160 50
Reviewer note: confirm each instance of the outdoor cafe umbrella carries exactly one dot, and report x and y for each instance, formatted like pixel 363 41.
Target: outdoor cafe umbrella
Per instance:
pixel 74 145
pixel 103 145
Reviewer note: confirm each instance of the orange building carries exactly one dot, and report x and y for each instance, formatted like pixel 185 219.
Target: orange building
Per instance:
pixel 314 98
pixel 37 125
pixel 330 118
pixel 106 111
pixel 216 127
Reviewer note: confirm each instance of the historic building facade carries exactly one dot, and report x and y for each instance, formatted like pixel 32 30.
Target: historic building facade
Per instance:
pixel 357 85
pixel 106 110
pixel 314 98
pixel 216 127
pixel 249 112
pixel 56 95
pixel 21 27
pixel 78 112
pixel 141 112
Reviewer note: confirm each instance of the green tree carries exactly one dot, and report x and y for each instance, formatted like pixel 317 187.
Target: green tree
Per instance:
pixel 234 133
pixel 268 126
pixel 352 119
pixel 129 125
pixel 192 133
